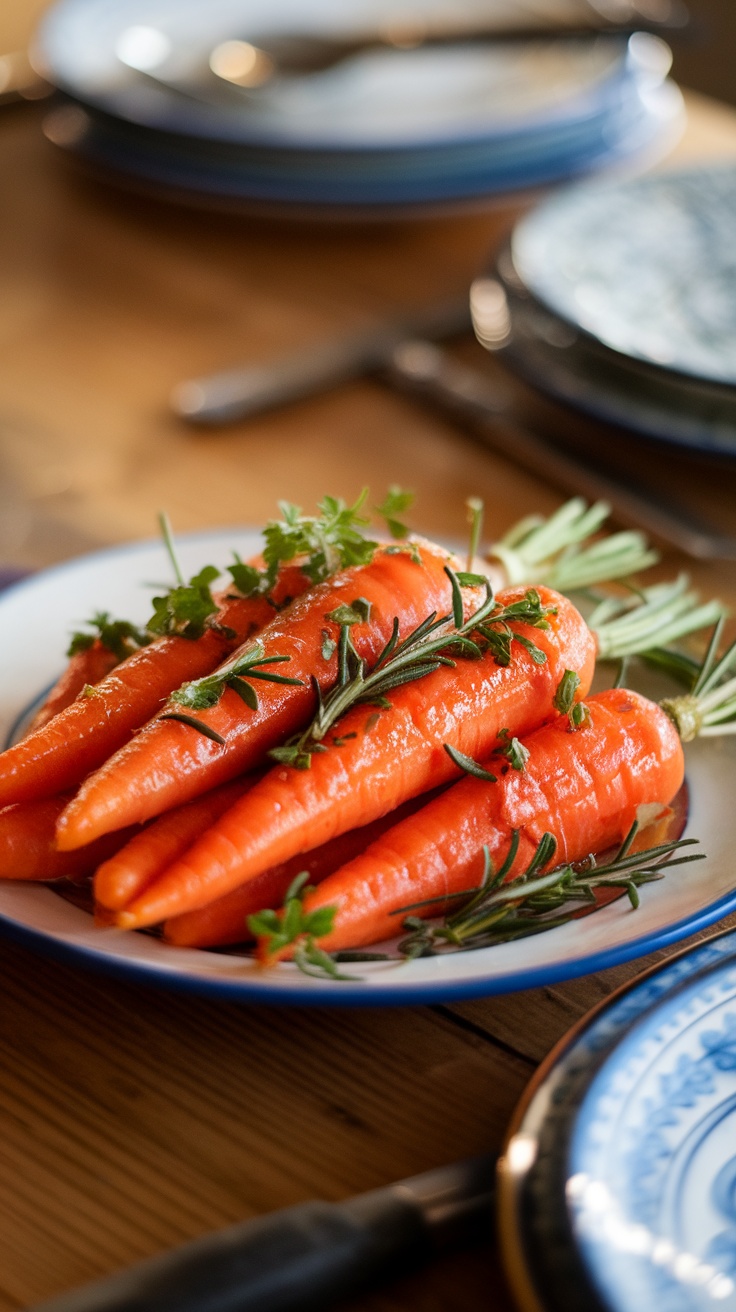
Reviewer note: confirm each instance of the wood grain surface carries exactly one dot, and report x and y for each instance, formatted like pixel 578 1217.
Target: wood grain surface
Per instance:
pixel 132 1119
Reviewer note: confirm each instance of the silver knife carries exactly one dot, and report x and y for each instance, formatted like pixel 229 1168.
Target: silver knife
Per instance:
pixel 424 370
pixel 403 354
pixel 239 393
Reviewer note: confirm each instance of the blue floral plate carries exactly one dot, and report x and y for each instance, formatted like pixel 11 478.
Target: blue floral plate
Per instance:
pixel 618 1182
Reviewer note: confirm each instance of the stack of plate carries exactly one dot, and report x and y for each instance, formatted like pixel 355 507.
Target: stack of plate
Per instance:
pixel 620 300
pixel 381 132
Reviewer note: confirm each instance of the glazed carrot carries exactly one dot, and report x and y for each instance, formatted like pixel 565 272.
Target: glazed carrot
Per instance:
pixel 170 763
pixel 153 848
pixel 28 850
pixel 224 920
pixel 382 760
pixel 57 756
pixel 585 788
pixel 86 667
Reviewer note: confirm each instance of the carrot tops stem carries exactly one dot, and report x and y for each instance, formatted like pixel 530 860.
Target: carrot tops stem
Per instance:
pixel 709 709
pixel 650 617
pixel 563 553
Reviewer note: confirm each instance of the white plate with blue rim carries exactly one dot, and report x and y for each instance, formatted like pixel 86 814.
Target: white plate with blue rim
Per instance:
pixel 386 127
pixel 36 617
pixel 618 1181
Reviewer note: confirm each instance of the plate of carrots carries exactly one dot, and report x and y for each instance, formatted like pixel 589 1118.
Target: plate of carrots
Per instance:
pixel 317 768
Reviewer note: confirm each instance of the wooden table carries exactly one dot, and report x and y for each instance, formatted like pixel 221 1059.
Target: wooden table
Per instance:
pixel 133 1119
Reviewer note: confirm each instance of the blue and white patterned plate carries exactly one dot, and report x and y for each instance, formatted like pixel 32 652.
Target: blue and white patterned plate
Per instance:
pixel 647 267
pixel 35 619
pixel 619 1177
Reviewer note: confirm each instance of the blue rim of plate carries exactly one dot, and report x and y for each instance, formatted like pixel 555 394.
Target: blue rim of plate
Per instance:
pixel 543 1260
pixel 447 175
pixel 329 993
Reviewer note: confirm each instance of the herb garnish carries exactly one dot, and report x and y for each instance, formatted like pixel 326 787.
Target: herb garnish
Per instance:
pixel 513 749
pixel 279 930
pixel 564 700
pixel 497 911
pixel 395 502
pixel 329 541
pixel 430 645
pixel 207 691
pixel 119 636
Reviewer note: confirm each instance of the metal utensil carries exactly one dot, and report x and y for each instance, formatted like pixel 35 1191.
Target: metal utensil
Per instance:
pixel 252 64
pixel 303 1257
pixel 240 393
pixel 424 370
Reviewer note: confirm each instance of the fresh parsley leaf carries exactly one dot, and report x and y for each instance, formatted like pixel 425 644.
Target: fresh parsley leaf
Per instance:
pixel 119 636
pixel 185 609
pixel 395 502
pixel 247 579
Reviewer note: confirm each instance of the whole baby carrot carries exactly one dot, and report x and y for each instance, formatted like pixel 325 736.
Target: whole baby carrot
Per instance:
pixel 379 759
pixel 85 668
pixel 583 787
pixel 170 762
pixel 58 755
pixel 28 849
pixel 225 919
pixel 151 849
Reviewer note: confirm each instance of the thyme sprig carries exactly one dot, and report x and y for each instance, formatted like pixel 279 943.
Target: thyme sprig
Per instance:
pixel 433 643
pixel 203 693
pixel 563 552
pixel 499 911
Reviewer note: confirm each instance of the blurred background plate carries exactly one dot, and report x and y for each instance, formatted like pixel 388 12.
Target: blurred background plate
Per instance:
pixel 571 366
pixel 387 128
pixel 647 268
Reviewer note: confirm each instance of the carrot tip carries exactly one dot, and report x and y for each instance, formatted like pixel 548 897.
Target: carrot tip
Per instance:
pixel 123 920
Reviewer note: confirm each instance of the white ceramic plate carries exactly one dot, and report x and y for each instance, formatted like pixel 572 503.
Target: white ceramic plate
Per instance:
pixel 35 619
pixel 379 99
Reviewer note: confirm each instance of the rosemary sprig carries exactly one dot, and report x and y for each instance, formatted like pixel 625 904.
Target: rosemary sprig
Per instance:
pixel 431 644
pixel 236 673
pixel 498 911
pixel 563 553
